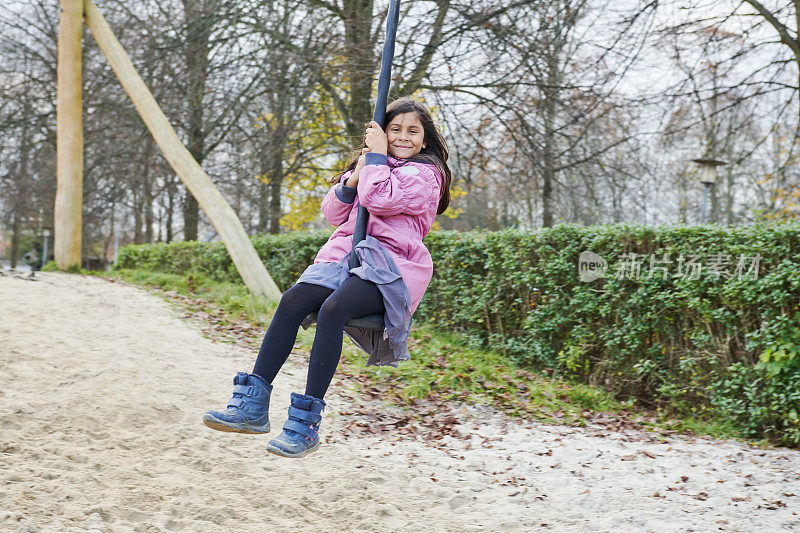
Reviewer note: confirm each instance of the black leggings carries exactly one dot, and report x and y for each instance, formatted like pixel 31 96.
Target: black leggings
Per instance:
pixel 354 298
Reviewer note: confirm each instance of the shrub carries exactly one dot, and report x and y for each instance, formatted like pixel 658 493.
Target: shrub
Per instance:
pixel 285 256
pixel 693 343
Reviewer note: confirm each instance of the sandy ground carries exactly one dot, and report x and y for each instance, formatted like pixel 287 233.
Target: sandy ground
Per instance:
pixel 102 388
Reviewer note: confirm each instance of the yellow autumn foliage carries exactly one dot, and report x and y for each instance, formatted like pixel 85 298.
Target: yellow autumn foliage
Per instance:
pixel 327 153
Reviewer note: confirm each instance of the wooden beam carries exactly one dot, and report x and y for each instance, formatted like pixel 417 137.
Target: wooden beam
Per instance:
pixel 222 216
pixel 69 134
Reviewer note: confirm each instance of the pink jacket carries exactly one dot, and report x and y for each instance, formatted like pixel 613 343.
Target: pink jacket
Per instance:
pixel 402 197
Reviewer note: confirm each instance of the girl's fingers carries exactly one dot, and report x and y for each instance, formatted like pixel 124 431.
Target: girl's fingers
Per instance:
pixel 374 137
pixel 365 150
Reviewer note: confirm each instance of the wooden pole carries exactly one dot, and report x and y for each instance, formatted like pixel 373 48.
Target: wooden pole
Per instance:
pixel 222 216
pixel 69 134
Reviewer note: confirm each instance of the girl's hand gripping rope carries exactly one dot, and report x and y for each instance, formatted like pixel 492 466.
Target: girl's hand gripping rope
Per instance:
pixel 353 180
pixel 375 139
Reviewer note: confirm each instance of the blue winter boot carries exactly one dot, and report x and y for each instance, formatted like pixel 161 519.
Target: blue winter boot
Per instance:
pixel 248 409
pixel 301 432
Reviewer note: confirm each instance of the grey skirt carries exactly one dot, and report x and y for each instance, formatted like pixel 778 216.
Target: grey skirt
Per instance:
pixel 387 347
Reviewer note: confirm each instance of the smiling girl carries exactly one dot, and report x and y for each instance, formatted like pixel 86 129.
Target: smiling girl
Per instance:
pixel 402 178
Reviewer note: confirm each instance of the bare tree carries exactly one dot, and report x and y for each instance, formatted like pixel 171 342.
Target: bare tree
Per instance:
pixel 27 82
pixel 548 77
pixel 732 91
pixel 284 125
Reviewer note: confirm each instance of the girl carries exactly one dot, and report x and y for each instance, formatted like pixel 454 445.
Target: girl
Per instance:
pixel 402 178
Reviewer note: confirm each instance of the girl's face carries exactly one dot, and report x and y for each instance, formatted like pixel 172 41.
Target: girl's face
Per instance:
pixel 405 135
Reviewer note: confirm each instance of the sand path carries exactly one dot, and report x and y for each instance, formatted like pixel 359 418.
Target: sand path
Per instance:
pixel 102 387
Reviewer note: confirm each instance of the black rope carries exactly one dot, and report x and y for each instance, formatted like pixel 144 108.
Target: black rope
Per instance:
pixel 392 18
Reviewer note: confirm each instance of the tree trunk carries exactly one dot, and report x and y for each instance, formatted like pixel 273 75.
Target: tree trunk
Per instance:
pixel 137 219
pixel 275 183
pixel 264 188
pixel 198 30
pixel 713 146
pixel 729 184
pixel 170 209
pixel 191 217
pixel 22 192
pixel 14 239
pixel 547 190
pixel 263 207
pixel 549 151
pixel 275 207
pixel 112 230
pixel 360 64
pixel 147 193
pixel 683 199
pixel 148 210
pixel 159 225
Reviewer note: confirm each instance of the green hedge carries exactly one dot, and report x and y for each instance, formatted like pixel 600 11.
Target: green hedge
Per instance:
pixel 727 344
pixel 286 257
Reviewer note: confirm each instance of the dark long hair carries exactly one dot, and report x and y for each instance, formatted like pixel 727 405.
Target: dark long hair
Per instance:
pixel 435 152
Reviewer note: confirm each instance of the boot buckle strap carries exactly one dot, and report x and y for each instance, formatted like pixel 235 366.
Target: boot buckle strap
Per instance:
pixel 247 390
pixel 301 428
pixel 237 402
pixel 302 414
